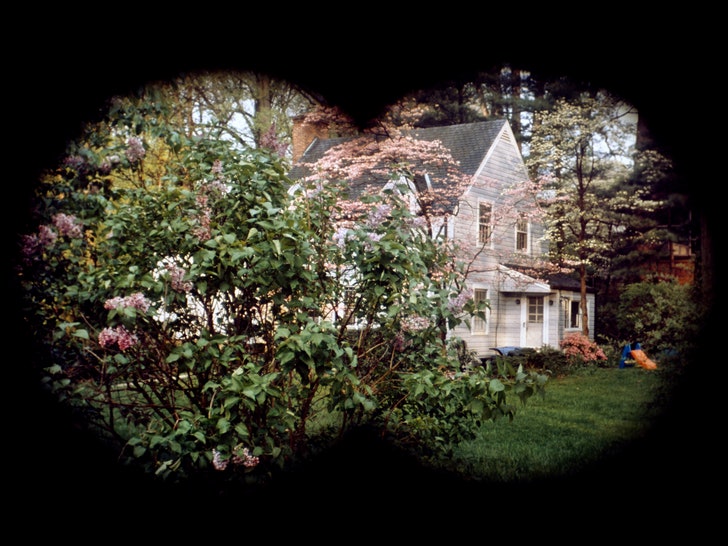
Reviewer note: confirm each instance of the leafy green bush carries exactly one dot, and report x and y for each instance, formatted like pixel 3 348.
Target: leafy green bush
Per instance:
pixel 662 315
pixel 200 316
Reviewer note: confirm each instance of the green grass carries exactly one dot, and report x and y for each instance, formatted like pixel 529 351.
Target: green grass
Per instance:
pixel 582 419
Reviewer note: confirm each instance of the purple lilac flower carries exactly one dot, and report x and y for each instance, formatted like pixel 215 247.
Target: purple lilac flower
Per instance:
pixel 136 300
pixel 217 461
pixel 118 336
pixel 135 150
pixel 68 225
pixel 380 213
pixel 176 275
pixel 456 304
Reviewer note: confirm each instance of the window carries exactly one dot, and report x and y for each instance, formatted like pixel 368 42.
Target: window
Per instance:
pixel 535 310
pixel 573 316
pixel 485 213
pixel 522 234
pixel 480 326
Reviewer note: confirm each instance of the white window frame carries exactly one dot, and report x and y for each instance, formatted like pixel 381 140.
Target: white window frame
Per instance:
pixel 480 225
pixel 572 314
pixel 479 326
pixel 526 232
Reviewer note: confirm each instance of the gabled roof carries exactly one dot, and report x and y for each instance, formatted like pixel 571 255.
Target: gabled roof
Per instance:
pixel 469 144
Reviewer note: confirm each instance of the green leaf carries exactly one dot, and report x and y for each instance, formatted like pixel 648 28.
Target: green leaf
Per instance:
pixel 81 333
pixel 496 386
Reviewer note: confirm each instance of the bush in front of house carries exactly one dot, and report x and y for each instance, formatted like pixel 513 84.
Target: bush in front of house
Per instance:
pixel 579 350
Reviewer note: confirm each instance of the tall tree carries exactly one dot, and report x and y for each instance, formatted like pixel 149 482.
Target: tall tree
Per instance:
pixel 250 108
pixel 585 149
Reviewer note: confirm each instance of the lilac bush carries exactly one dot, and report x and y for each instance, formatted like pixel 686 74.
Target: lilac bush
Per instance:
pixel 200 318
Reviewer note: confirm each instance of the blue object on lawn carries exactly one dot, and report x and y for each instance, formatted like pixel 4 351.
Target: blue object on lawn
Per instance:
pixel 626 353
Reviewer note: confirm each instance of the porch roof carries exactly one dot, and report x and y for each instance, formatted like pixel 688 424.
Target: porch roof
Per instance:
pixel 510 280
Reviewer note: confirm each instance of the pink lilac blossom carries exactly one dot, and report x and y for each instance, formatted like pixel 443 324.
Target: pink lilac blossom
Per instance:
pixel 34 243
pixel 340 237
pixel 379 214
pixel 217 461
pixel 176 276
pixel 411 324
pixel 136 300
pixel 400 343
pixel 243 457
pixel 135 150
pixel 118 336
pixel 372 238
pixel 68 225
pixel 30 245
pixel 456 304
pixel 207 190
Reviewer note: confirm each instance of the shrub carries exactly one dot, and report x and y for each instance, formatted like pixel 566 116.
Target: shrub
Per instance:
pixel 578 348
pixel 660 314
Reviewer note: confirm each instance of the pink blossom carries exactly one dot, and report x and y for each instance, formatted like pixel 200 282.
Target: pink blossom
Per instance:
pixel 119 336
pixel 411 324
pixel 34 243
pixel 240 457
pixel 245 458
pixel 456 304
pixel 46 236
pixel 135 150
pixel 136 300
pixel 217 461
pixel 176 275
pixel 68 225
pixel 379 214
pixel 340 237
pixel 578 345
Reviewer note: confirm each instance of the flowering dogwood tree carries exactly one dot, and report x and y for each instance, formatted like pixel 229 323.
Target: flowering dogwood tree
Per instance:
pixel 584 153
pixel 202 317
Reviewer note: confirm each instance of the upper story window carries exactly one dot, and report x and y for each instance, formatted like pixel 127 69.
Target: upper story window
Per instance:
pixel 485 226
pixel 522 234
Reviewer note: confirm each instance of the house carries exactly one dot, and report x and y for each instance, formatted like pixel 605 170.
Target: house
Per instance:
pixel 525 311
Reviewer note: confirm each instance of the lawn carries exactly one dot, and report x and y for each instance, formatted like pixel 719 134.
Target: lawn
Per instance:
pixel 583 419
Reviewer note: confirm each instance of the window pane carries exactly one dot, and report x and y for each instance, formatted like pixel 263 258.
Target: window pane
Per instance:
pixel 535 309
pixel 575 316
pixel 478 324
pixel 522 234
pixel 484 218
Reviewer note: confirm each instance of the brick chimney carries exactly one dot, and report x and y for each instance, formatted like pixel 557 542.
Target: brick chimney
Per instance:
pixel 304 134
